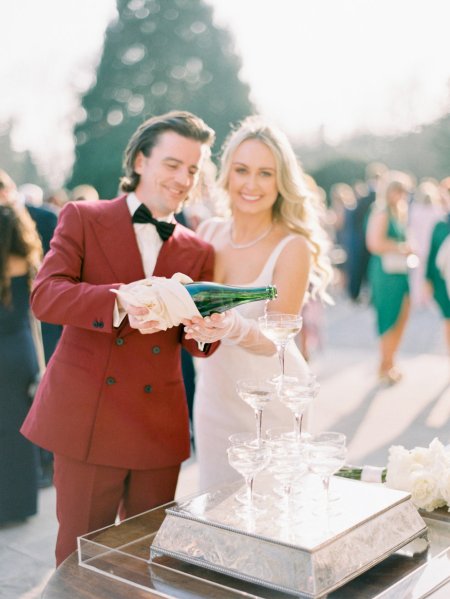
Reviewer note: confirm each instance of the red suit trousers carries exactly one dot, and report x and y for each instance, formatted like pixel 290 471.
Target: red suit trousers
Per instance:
pixel 89 497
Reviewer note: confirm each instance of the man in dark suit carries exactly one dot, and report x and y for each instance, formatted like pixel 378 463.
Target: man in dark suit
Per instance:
pixel 45 219
pixel 111 405
pixel 359 255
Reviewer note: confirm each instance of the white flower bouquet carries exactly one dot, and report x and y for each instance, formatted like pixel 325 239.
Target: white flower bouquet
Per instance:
pixel 423 471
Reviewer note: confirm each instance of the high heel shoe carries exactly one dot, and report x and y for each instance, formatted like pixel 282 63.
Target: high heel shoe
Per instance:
pixel 391 376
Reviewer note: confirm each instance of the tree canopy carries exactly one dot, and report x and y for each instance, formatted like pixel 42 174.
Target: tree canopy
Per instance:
pixel 159 55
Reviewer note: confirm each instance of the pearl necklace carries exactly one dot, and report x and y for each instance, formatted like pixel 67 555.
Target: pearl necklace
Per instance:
pixel 241 246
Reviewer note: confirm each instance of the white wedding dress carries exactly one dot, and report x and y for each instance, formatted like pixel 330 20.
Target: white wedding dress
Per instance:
pixel 218 410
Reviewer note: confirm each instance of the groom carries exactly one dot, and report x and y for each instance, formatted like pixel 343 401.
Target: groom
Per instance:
pixel 111 405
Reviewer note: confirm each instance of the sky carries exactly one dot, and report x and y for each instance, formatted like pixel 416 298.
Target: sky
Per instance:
pixel 328 67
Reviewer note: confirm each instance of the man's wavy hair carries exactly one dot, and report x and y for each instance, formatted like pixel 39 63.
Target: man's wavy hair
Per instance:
pixel 147 134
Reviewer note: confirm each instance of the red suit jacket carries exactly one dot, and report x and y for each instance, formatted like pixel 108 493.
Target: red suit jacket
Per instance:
pixel 110 396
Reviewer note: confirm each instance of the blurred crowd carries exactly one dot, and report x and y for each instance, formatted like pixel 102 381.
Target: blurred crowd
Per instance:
pixel 347 215
pixel 389 217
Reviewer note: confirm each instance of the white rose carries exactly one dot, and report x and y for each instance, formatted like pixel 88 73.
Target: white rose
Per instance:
pixel 444 486
pixel 425 490
pixel 439 457
pixel 424 472
pixel 421 456
pixel 399 467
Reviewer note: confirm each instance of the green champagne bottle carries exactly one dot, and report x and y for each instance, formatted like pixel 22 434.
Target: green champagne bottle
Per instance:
pixel 213 297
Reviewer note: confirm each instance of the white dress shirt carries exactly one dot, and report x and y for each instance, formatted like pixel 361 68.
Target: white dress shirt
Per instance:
pixel 149 244
pixel 148 239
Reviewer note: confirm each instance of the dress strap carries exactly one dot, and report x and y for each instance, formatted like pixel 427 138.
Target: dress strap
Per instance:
pixel 269 267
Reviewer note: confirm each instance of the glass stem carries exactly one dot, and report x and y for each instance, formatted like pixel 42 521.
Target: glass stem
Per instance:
pixel 280 349
pixel 287 494
pixel 249 483
pixel 298 425
pixel 326 488
pixel 258 415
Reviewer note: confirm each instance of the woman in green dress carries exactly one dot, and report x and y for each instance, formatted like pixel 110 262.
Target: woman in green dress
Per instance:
pixel 433 273
pixel 388 271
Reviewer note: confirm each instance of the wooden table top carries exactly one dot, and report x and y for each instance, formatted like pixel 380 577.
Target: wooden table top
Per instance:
pixel 73 581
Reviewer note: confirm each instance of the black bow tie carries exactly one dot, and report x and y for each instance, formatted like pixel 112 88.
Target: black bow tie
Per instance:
pixel 143 215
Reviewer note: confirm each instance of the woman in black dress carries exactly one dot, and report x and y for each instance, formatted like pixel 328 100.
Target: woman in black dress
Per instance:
pixel 20 254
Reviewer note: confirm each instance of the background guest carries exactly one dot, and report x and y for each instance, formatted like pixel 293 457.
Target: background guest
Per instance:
pixel 387 239
pixel 45 218
pixel 438 274
pixel 57 199
pixel 20 254
pixel 425 211
pixel 83 192
pixel 43 214
pixel 358 255
pixel 338 220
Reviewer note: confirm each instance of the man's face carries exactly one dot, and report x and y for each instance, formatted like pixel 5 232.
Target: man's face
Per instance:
pixel 169 173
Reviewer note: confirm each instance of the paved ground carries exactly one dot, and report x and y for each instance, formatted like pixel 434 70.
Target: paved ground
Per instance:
pixel 350 400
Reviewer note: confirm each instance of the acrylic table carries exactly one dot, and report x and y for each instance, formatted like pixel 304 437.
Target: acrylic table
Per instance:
pixel 126 573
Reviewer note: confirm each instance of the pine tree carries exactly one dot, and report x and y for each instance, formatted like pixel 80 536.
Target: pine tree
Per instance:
pixel 159 55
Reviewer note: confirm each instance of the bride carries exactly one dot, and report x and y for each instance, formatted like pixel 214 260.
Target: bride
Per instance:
pixel 272 237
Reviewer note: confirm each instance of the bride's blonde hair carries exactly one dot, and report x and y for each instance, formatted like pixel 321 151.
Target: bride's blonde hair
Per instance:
pixel 294 205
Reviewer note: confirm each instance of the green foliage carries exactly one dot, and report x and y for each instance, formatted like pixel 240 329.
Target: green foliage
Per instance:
pixel 423 153
pixel 158 56
pixel 440 136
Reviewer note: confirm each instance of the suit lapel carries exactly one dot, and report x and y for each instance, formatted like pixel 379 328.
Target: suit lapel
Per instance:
pixel 168 254
pixel 118 242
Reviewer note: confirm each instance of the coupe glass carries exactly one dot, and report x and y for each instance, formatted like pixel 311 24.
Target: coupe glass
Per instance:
pixel 256 393
pixel 287 465
pixel 247 439
pixel 326 453
pixel 297 394
pixel 242 439
pixel 279 433
pixel 280 328
pixel 248 459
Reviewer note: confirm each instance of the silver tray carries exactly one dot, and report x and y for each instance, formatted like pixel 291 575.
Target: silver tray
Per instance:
pixel 313 557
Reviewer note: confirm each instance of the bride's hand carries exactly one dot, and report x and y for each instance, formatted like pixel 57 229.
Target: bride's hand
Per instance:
pixel 209 329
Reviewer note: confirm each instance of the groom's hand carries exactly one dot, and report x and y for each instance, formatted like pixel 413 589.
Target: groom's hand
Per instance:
pixel 135 314
pixel 146 327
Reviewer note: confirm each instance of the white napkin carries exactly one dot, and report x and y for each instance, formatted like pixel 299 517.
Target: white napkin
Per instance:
pixel 166 300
